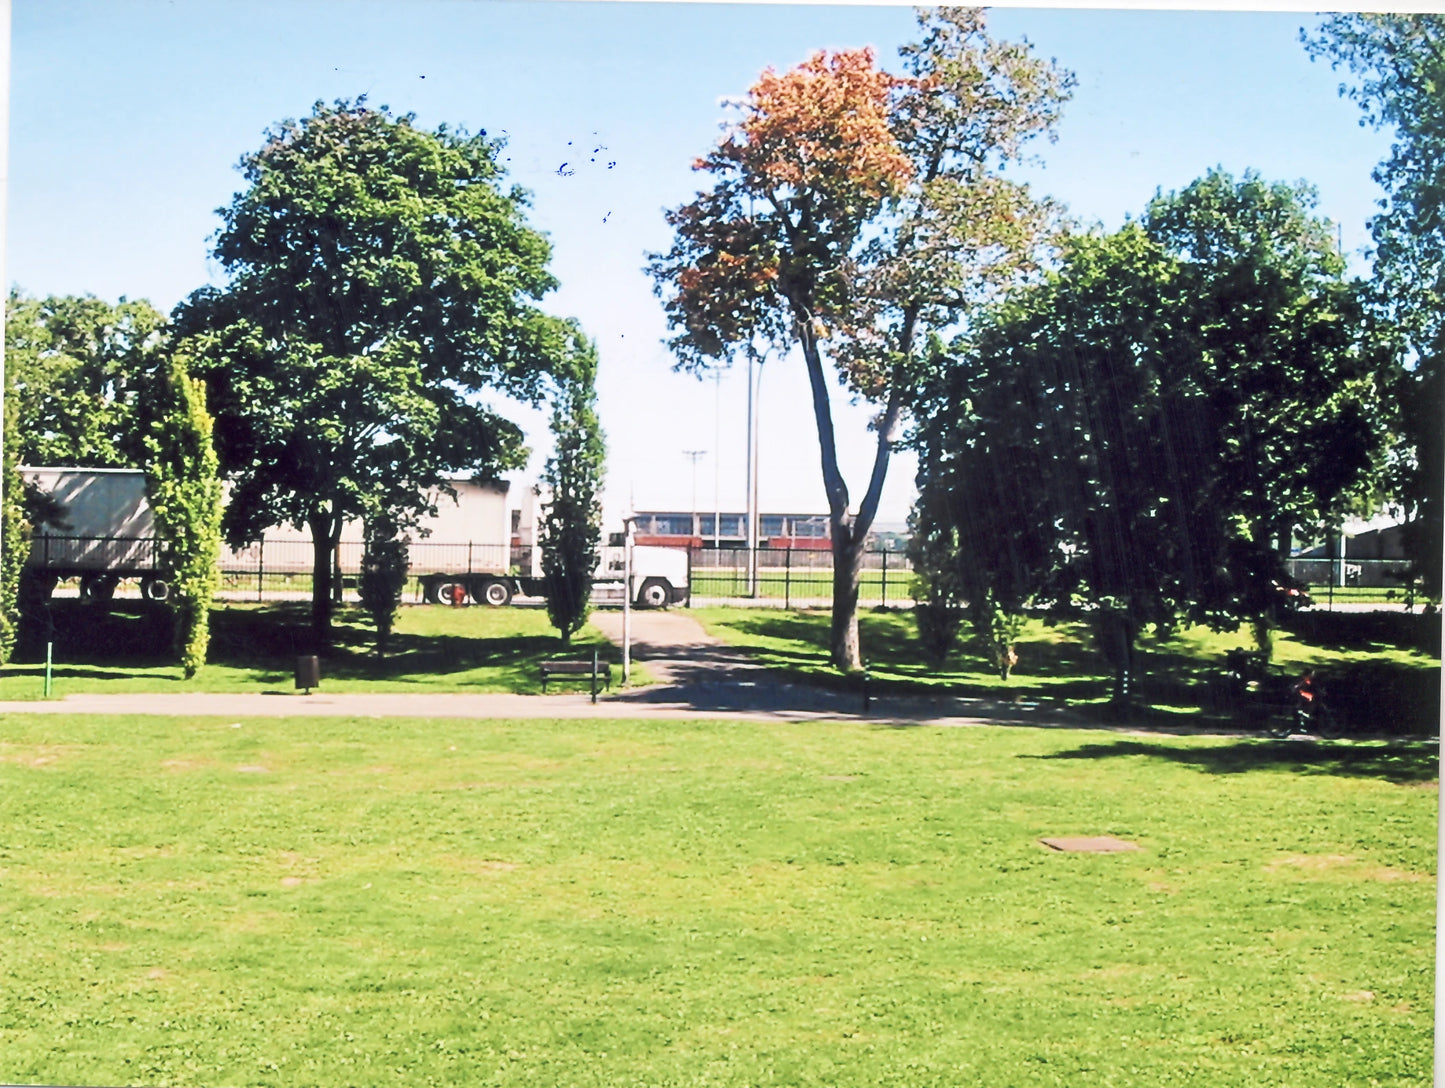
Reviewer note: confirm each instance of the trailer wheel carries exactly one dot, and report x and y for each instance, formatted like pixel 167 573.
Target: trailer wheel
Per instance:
pixel 37 586
pixel 98 588
pixel 655 593
pixel 155 589
pixel 429 593
pixel 496 593
pixel 451 592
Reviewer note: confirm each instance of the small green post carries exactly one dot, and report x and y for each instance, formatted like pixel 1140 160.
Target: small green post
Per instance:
pixel 49 646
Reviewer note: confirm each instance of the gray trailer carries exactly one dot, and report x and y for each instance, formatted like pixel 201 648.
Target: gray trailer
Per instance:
pixel 473 549
pixel 106 533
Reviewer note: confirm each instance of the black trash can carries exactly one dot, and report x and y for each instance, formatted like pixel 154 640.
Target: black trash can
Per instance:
pixel 308 672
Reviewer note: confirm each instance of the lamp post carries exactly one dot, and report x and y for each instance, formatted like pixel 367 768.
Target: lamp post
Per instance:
pixel 694 456
pixel 754 389
pixel 717 460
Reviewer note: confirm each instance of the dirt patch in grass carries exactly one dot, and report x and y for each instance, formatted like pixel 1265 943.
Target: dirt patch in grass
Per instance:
pixel 1089 844
pixel 39 755
pixel 1346 864
pixel 182 764
pixel 1315 863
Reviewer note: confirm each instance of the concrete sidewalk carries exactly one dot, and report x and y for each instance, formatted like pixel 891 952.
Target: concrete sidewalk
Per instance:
pixel 694 702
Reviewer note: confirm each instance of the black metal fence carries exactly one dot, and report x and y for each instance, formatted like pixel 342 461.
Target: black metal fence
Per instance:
pixel 1354 582
pixel 803 577
pixel 277 569
pixel 272 569
pixel 98 553
pixel 794 577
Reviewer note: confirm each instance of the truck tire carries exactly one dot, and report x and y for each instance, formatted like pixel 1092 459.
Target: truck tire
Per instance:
pixel 655 593
pixel 98 588
pixel 451 591
pixel 155 589
pixel 37 586
pixel 496 593
pixel 429 591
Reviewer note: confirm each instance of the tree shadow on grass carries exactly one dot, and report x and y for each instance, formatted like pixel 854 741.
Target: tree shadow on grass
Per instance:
pixel 1355 631
pixel 1400 762
pixel 72 672
pixel 97 643
pixel 1050 669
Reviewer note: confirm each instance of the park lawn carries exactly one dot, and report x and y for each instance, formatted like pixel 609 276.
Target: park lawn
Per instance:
pixel 254 648
pixel 339 902
pixel 1376 683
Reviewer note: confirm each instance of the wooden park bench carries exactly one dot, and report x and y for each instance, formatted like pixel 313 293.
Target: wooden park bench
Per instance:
pixel 591 671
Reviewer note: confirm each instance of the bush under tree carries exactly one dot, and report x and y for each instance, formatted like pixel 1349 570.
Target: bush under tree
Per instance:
pixel 384 565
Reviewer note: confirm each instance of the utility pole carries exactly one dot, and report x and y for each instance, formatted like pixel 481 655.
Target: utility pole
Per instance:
pixel 717 460
pixel 629 524
pixel 753 388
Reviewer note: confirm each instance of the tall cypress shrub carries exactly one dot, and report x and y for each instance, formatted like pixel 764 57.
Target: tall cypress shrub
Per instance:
pixel 183 487
pixel 572 515
pixel 14 546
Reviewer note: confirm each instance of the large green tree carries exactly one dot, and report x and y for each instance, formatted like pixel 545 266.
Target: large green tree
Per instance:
pixel 380 276
pixel 1398 65
pixel 76 369
pixel 1142 433
pixel 571 528
pixel 850 212
pixel 1291 366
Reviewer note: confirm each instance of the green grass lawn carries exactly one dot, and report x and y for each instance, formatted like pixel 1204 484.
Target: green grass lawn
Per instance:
pixel 1381 670
pixel 254 648
pixel 343 902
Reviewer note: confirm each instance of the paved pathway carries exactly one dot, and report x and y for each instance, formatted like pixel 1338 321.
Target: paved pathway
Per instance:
pixel 763 703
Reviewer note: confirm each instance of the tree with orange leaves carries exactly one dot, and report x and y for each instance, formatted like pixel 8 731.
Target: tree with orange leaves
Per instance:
pixel 855 212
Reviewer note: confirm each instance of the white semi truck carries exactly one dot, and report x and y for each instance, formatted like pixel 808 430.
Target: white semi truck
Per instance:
pixel 473 549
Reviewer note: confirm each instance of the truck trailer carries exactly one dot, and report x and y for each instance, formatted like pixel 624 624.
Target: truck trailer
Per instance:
pixel 473 549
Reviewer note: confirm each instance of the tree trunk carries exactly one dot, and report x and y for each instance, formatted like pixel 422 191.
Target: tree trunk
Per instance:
pixel 1115 634
pixel 321 562
pixel 849 534
pixel 846 653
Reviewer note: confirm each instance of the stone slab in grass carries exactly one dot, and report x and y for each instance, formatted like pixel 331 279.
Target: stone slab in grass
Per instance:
pixel 1091 844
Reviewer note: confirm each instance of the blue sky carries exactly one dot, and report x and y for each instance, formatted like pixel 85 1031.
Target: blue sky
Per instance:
pixel 127 121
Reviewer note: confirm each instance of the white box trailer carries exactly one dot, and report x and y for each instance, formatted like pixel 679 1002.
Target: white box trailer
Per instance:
pixel 466 551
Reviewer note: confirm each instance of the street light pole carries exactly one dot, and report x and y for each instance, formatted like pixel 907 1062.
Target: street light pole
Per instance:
pixel 717 460
pixel 693 456
pixel 754 388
